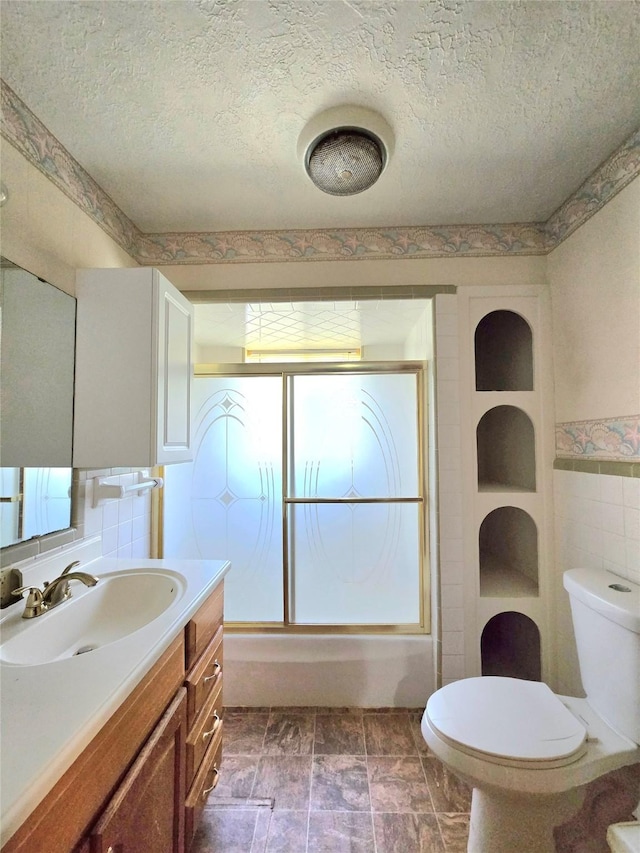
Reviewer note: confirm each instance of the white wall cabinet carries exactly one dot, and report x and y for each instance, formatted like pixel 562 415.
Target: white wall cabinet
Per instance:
pixel 133 370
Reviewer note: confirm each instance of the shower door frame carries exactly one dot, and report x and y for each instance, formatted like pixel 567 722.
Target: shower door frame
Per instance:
pixel 286 371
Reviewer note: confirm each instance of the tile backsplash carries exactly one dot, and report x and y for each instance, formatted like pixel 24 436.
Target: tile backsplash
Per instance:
pixel 598 522
pixel 125 524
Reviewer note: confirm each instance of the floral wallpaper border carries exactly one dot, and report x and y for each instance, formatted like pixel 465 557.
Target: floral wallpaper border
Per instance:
pixel 331 244
pixel 24 130
pixel 615 439
pixel 20 127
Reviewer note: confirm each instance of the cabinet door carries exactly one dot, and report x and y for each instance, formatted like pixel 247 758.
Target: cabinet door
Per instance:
pixel 147 811
pixel 174 373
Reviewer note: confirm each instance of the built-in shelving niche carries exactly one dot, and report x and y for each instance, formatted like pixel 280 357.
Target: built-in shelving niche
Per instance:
pixel 510 646
pixel 506 451
pixel 508 545
pixel 504 353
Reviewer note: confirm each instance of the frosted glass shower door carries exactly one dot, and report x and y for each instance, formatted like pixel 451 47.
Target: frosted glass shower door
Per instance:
pixel 227 503
pixel 311 485
pixel 354 505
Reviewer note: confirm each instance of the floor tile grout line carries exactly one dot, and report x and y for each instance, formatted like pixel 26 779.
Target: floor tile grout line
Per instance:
pixel 426 781
pixel 313 754
pixel 421 757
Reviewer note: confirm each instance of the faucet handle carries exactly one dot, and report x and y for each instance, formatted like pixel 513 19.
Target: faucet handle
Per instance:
pixel 69 567
pixel 35 602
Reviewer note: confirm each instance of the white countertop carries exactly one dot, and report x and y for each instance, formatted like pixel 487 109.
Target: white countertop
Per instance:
pixel 50 712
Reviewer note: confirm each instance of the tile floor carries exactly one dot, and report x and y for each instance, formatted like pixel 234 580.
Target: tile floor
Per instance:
pixel 329 780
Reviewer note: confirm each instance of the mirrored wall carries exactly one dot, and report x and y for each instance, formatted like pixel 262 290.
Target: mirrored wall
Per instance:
pixel 37 354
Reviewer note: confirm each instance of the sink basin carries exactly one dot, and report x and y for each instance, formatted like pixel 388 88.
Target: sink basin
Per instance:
pixel 117 606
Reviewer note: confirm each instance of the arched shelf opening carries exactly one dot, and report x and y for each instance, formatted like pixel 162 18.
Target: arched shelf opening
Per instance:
pixel 504 353
pixel 506 451
pixel 510 646
pixel 508 546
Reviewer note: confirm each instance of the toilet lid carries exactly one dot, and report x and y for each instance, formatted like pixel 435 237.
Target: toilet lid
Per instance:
pixel 507 718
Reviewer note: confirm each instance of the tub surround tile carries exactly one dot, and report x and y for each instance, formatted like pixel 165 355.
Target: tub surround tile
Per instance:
pixel 340 832
pixel 289 734
pixel 398 785
pixel 339 735
pixel 453 618
pixel 407 833
pixel 453 667
pixel 452 596
pixel 452 573
pixel 340 783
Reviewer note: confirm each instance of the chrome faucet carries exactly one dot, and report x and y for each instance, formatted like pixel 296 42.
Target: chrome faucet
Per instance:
pixel 54 592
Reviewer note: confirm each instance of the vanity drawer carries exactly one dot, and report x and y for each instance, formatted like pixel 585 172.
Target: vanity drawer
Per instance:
pixel 207 727
pixel 203 625
pixel 205 677
pixel 205 781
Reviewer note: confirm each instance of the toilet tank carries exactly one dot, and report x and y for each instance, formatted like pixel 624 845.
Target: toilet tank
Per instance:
pixel 606 620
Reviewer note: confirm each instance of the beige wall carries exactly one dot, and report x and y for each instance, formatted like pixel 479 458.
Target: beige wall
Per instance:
pixel 313 274
pixel 45 232
pixel 594 277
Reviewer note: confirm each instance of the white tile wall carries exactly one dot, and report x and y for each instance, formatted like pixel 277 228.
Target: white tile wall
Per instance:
pixel 449 488
pixel 125 524
pixel 598 522
pixel 596 526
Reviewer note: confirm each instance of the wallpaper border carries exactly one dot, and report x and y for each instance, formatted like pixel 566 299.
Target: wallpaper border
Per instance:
pixel 603 440
pixel 20 127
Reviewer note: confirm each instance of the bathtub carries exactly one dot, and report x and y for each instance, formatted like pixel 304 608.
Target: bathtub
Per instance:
pixel 365 671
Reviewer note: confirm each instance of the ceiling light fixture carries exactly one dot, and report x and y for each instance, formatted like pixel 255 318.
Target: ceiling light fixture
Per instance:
pixel 345 149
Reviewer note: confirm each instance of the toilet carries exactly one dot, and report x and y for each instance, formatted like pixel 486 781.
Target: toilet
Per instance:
pixel 528 753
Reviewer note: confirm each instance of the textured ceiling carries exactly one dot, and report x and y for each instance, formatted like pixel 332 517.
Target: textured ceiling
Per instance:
pixel 188 113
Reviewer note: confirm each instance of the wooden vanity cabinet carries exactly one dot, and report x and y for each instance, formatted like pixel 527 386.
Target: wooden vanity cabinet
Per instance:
pixel 143 781
pixel 63 820
pixel 147 812
pixel 203 681
pixel 159 804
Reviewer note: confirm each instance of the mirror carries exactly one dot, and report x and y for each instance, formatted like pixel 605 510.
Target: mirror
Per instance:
pixel 37 353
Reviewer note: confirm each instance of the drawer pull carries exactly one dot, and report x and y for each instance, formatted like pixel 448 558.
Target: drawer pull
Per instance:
pixel 216 775
pixel 216 672
pixel 216 723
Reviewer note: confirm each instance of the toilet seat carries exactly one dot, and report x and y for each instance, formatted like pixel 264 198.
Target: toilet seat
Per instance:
pixel 507 721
